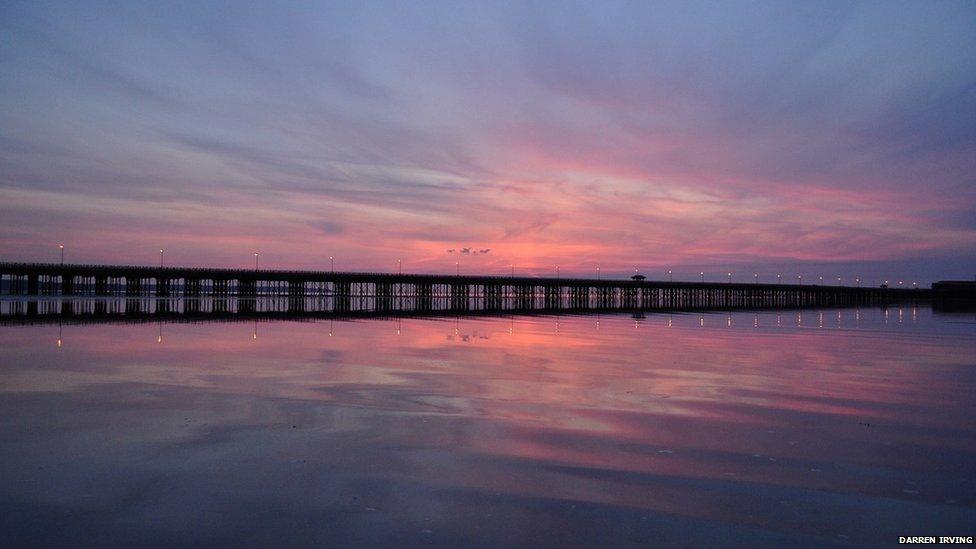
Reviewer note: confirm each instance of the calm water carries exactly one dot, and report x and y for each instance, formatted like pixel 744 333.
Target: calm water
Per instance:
pixel 833 427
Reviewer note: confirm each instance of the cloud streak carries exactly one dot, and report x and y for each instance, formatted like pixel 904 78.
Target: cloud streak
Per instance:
pixel 547 133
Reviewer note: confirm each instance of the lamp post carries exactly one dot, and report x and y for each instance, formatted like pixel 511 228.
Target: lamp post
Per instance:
pixel 838 281
pixel 457 268
pixel 730 277
pixel 399 267
pixel 757 277
pixel 61 246
pixel 598 273
pixel 255 261
pixel 332 263
pixel 858 281
pixel 779 278
pixel 799 279
pixel 702 276
pixel 557 272
pixel 513 269
pixel 160 258
pixel 670 278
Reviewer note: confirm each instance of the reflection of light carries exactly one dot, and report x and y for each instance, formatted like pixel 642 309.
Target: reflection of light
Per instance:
pixel 701 321
pixel 779 319
pixel 755 321
pixel 59 343
pixel 820 319
pixel 914 313
pixel 901 314
pixel 728 321
pixel 799 319
pixel 669 321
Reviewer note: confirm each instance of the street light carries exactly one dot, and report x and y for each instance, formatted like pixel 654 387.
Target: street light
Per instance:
pixel 399 266
pixel 557 272
pixel 702 275
pixel 779 279
pixel 62 253
pixel 757 277
pixel 670 278
pixel 838 281
pixel 800 279
pixel 160 257
pixel 457 268
pixel 820 278
pixel 255 261
pixel 598 273
pixel 332 263
pixel 730 278
pixel 858 280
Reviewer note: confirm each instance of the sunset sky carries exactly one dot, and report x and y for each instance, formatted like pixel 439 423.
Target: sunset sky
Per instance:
pixel 813 138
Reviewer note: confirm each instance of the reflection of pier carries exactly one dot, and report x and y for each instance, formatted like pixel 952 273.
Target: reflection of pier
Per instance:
pixel 83 310
pixel 386 291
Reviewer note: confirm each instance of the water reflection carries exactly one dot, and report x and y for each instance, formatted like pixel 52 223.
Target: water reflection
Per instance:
pixel 726 428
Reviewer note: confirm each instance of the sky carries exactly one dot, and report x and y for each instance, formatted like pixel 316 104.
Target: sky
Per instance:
pixel 833 139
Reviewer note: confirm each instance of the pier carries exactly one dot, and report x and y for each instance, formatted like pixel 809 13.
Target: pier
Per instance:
pixel 425 291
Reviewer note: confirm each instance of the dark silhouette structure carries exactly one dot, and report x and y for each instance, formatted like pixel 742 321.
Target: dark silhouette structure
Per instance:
pixel 954 294
pixel 389 290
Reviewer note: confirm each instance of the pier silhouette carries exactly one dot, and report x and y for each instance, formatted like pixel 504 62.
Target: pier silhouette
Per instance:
pixel 216 292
